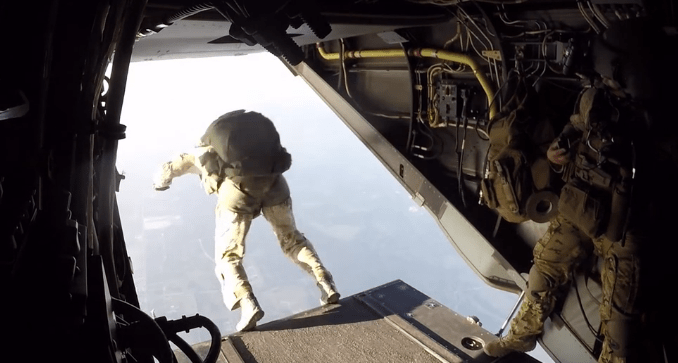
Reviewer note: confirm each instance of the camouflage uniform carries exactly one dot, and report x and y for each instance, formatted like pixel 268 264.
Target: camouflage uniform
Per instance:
pixel 233 219
pixel 556 254
pixel 240 200
pixel 586 203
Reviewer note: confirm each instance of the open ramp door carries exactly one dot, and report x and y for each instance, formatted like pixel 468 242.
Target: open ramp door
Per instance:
pixel 393 322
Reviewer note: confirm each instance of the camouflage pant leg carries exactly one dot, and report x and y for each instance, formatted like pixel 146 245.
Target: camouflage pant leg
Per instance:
pixel 229 250
pixel 619 311
pixel 556 254
pixel 292 242
pixel 529 321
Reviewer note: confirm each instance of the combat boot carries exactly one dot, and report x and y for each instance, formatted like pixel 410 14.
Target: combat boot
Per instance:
pixel 250 313
pixel 525 328
pixel 328 292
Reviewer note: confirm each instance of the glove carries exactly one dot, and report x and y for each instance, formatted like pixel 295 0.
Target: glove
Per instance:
pixel 557 154
pixel 162 180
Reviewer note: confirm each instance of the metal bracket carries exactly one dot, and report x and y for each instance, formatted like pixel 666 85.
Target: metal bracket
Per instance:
pixel 493 54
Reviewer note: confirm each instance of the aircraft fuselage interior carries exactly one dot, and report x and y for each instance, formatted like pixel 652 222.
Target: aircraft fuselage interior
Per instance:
pixel 460 100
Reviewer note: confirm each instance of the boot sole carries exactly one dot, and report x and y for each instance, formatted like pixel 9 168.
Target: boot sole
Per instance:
pixel 331 299
pixel 253 321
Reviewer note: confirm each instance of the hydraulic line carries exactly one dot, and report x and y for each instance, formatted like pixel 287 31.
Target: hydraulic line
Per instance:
pixel 588 18
pixel 599 14
pixel 422 53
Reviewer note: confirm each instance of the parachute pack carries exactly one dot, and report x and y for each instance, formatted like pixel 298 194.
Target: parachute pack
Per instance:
pixel 247 144
pixel 507 182
pixel 517 179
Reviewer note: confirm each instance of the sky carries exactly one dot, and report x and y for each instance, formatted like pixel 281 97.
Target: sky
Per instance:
pixel 363 223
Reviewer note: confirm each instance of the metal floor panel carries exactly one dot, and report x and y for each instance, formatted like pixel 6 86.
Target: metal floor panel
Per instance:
pixel 390 323
pixel 347 332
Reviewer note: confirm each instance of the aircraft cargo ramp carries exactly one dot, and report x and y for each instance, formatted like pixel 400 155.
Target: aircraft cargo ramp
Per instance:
pixel 390 323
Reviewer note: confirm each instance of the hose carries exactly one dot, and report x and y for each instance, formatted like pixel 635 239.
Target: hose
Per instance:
pixel 164 352
pixel 215 334
pixel 171 327
pixel 421 53
pixel 186 348
pixel 164 330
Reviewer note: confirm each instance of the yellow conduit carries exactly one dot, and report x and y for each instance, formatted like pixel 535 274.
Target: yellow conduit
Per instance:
pixel 426 53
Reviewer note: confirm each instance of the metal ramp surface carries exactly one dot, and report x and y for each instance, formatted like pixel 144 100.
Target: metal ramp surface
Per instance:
pixel 390 323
